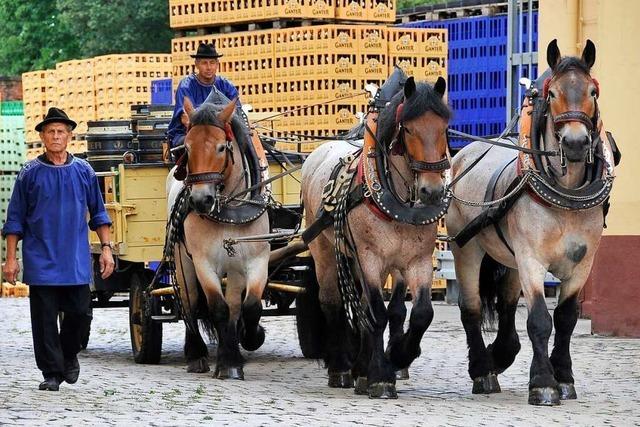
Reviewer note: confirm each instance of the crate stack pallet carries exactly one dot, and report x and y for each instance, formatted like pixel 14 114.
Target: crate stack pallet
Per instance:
pixel 314 73
pixel 124 80
pixel 12 146
pixel 34 96
pixel 76 91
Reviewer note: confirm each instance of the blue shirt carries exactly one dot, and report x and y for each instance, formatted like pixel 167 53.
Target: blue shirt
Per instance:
pixel 48 209
pixel 197 92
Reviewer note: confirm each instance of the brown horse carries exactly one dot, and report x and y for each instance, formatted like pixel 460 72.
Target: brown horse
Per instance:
pixel 398 233
pixel 214 146
pixel 554 225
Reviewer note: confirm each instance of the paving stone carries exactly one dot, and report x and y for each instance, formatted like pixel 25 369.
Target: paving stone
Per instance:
pixel 282 387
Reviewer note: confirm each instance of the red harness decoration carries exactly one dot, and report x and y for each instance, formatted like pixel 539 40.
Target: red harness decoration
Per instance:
pixel 367 200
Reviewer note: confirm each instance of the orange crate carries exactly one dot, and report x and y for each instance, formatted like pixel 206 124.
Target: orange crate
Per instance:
pixel 310 66
pixel 420 67
pixel 417 41
pixel 372 40
pixel 381 11
pixel 352 10
pixel 314 39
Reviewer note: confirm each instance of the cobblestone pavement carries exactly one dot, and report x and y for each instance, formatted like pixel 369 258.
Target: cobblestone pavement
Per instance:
pixel 281 387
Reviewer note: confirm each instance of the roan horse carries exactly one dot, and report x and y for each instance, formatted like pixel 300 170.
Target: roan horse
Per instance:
pixel 214 144
pixel 554 227
pixel 410 147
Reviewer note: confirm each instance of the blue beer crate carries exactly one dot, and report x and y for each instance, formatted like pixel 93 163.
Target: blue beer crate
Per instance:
pixel 477 68
pixel 161 92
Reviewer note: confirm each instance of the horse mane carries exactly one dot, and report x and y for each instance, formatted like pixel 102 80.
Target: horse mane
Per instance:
pixel 207 114
pixel 571 63
pixel 423 100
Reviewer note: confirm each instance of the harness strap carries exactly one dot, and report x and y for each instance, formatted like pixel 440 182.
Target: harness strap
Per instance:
pixel 493 214
pixel 439 166
pixel 204 177
pixel 325 219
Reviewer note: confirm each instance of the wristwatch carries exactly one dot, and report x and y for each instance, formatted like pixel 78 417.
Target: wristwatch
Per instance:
pixel 109 244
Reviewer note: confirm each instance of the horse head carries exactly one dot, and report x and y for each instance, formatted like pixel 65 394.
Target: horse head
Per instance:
pixel 415 122
pixel 209 148
pixel 571 94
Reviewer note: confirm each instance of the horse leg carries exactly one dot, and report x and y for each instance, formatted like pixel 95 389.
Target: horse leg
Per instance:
pixel 468 261
pixel 565 317
pixel 361 366
pixel 381 376
pixel 407 348
pixel 543 387
pixel 397 311
pixel 229 361
pixel 507 343
pixel 337 356
pixel 252 333
pixel 195 349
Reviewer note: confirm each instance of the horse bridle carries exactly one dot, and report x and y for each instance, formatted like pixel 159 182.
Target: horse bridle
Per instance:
pixel 398 146
pixel 591 123
pixel 214 177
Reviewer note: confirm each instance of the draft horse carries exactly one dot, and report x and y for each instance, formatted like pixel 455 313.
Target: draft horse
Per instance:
pixel 220 162
pixel 553 224
pixel 384 201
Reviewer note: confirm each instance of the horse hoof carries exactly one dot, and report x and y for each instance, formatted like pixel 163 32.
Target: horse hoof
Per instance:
pixel 252 342
pixel 567 391
pixel 340 380
pixel 486 385
pixel 383 391
pixel 544 396
pixel 198 366
pixel 402 374
pixel 231 373
pixel 361 386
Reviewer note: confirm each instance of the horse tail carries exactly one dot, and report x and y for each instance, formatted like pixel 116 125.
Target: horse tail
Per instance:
pixel 492 275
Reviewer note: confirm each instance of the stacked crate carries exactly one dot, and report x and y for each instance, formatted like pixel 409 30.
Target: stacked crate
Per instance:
pixel 76 91
pixel 186 14
pixel 316 74
pixel 101 88
pixel 12 122
pixel 124 80
pixel 34 96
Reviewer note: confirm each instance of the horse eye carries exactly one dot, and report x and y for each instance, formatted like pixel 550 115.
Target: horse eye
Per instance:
pixel 593 92
pixel 221 148
pixel 551 94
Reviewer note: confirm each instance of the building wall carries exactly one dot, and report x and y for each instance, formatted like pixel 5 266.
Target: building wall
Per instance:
pixel 612 294
pixel 612 26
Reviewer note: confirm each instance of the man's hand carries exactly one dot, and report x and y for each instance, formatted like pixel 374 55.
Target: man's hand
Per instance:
pixel 10 270
pixel 184 118
pixel 106 262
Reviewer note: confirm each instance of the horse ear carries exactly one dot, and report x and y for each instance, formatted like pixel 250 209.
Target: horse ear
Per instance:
pixel 409 88
pixel 187 106
pixel 227 111
pixel 553 54
pixel 440 87
pixel 589 54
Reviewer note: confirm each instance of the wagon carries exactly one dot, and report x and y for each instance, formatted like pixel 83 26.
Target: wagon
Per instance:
pixel 135 199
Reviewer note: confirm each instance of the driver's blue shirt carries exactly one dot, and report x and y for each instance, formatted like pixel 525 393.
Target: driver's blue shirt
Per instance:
pixel 197 92
pixel 48 209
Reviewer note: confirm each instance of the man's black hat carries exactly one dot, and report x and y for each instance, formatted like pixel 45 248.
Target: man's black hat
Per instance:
pixel 56 115
pixel 206 51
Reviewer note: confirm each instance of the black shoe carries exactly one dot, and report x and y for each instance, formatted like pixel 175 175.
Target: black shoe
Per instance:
pixel 71 370
pixel 50 384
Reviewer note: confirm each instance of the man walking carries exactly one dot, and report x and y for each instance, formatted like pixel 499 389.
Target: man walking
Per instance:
pixel 197 88
pixel 48 211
